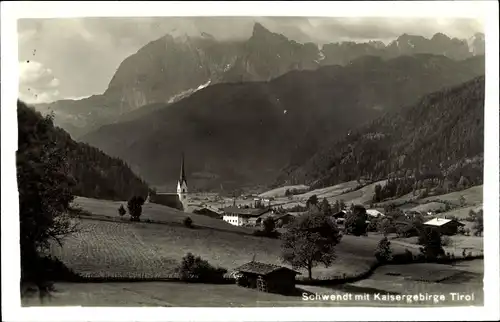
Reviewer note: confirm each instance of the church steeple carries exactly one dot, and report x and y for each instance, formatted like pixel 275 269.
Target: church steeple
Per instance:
pixel 182 177
pixel 182 188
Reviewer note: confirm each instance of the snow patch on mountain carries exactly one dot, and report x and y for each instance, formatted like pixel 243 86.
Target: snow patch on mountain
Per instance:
pixel 188 92
pixel 202 86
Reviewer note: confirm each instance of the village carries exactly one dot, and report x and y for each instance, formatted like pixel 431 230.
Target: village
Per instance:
pixel 270 215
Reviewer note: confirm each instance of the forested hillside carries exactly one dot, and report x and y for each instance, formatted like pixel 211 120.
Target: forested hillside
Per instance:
pixel 94 173
pixel 440 138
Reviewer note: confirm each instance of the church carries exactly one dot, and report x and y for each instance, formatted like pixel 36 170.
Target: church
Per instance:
pixel 176 200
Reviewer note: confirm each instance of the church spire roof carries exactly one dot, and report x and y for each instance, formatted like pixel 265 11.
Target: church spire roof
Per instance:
pixel 182 177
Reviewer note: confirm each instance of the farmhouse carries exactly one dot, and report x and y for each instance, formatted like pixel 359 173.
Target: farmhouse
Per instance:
pixel 174 200
pixel 283 219
pixel 444 226
pixel 279 219
pixel 208 211
pixel 412 213
pixel 266 277
pixel 374 213
pixel 243 216
pixel 339 217
pixel 261 202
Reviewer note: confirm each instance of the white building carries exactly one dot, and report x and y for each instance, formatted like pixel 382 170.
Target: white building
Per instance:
pixel 238 216
pixel 182 189
pixel 374 213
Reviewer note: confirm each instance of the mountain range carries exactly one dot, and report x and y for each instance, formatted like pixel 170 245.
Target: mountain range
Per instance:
pixel 171 68
pixel 246 133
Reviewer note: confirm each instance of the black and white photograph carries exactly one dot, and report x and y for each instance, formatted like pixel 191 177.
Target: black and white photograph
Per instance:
pixel 251 161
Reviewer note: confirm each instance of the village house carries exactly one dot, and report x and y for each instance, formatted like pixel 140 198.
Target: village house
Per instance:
pixel 279 219
pixel 412 214
pixel 261 202
pixel 239 216
pixel 266 277
pixel 374 213
pixel 339 217
pixel 283 219
pixel 444 226
pixel 209 211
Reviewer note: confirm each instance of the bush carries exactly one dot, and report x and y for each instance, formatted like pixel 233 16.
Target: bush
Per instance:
pixel 134 206
pixel 446 241
pixel 404 258
pixel 195 269
pixel 385 226
pixel 432 244
pixel 355 222
pixel 121 211
pixel 188 222
pixel 263 233
pixel 269 225
pixel 373 225
pixel 383 253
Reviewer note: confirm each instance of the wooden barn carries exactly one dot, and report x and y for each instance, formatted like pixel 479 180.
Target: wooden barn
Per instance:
pixel 444 226
pixel 266 277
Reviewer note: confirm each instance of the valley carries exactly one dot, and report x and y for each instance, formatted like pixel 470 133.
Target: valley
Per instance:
pixel 352 168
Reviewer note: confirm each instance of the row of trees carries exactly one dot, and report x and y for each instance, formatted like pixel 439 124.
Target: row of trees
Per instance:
pixel 311 240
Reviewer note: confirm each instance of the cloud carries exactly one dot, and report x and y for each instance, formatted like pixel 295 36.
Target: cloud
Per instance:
pixel 37 83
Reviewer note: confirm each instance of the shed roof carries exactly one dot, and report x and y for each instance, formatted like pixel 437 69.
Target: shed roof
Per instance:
pixel 246 211
pixel 277 217
pixel 438 222
pixel 374 213
pixel 339 214
pixel 262 268
pixel 212 209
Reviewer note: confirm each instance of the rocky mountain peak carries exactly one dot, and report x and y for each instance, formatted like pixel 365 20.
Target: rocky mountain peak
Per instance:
pixel 260 30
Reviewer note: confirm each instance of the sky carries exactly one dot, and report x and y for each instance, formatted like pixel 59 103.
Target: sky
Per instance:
pixel 72 58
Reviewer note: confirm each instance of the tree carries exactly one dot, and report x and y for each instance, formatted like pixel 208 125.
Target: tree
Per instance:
pixel 310 240
pixel 385 226
pixel 312 201
pixel 121 211
pixel 383 253
pixel 432 246
pixel 325 207
pixel 134 206
pixel 336 207
pixel 478 223
pixel 188 222
pixel 343 206
pixel 355 222
pixel 462 201
pixel 194 268
pixel 269 226
pixel 377 196
pixel 44 186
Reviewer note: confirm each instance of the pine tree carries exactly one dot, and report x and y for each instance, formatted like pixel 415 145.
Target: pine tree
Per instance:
pixel 325 207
